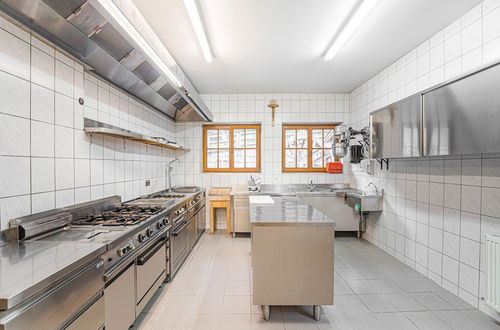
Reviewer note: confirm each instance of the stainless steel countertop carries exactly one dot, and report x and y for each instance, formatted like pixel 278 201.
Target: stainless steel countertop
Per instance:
pixel 287 210
pixel 26 268
pixel 321 189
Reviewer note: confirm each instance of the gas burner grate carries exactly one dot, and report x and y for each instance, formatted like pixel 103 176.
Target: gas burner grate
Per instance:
pixel 169 196
pixel 120 216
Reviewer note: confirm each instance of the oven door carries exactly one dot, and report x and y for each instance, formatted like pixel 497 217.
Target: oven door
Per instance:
pixel 150 272
pixel 119 297
pixel 180 245
pixel 201 218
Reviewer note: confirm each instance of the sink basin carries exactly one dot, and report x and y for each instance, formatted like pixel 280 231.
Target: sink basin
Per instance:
pixel 365 201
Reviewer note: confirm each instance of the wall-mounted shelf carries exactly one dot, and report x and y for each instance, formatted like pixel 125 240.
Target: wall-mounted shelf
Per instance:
pixel 96 127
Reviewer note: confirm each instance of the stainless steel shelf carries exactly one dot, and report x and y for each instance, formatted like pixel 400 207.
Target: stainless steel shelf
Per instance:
pixel 95 127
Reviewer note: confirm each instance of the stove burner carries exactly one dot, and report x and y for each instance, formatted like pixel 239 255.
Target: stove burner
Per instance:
pixel 169 196
pixel 123 215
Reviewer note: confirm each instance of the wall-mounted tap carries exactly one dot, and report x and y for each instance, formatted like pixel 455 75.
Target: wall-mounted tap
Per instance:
pixel 310 186
pixel 372 184
pixel 170 168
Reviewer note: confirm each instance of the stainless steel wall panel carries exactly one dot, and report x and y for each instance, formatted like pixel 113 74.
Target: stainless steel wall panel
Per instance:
pixel 395 130
pixel 463 117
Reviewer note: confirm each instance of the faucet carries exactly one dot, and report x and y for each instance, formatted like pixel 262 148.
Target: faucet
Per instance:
pixel 372 184
pixel 310 186
pixel 170 168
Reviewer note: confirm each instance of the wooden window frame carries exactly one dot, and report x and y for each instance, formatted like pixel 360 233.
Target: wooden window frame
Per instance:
pixel 231 129
pixel 309 168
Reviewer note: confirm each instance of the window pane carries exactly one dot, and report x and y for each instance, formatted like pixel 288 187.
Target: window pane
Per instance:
pixel 329 138
pixel 239 158
pixel 290 158
pixel 211 138
pixel 239 138
pixel 317 135
pixel 301 138
pixel 328 156
pixel 251 158
pixel 317 160
pixel 302 158
pixel 251 138
pixel 212 159
pixel 224 138
pixel 290 138
pixel 223 158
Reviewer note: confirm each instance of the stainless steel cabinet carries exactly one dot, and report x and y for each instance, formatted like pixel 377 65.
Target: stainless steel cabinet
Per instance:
pixel 463 117
pixel 336 208
pixel 395 130
pixel 241 214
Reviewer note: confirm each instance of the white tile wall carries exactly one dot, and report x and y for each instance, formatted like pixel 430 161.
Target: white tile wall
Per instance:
pixel 46 159
pixel 457 198
pixel 252 108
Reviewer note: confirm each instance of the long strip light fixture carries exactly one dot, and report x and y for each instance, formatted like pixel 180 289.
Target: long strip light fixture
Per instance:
pixel 199 30
pixel 355 21
pixel 110 7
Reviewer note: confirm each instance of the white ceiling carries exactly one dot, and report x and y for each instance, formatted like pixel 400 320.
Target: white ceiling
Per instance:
pixel 266 46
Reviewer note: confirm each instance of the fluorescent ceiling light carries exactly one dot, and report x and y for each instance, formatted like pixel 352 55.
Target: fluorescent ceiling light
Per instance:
pixel 194 16
pixel 357 18
pixel 143 45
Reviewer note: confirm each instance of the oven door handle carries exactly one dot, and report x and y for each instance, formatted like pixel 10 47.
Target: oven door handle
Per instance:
pixel 178 230
pixel 176 220
pixel 142 259
pixel 120 268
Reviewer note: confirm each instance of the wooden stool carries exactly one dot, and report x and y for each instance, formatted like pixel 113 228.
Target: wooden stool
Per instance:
pixel 219 198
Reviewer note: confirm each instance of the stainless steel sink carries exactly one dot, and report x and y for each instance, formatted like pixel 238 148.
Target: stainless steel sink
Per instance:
pixel 367 201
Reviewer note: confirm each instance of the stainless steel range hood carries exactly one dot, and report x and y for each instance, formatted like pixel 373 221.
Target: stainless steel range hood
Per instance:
pixel 86 31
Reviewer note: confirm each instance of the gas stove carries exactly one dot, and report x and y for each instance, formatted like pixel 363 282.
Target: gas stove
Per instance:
pixel 120 216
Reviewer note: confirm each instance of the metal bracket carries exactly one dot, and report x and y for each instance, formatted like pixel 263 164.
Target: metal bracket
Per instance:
pixel 382 161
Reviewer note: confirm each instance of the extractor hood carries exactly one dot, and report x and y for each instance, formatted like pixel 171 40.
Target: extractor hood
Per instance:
pixel 101 35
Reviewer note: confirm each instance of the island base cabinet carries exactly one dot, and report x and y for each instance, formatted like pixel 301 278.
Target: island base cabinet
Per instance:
pixel 293 264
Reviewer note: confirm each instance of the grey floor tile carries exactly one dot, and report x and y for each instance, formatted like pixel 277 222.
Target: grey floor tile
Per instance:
pixel 482 319
pixel 394 321
pixel 299 322
pixel 412 285
pixel 426 321
pixel 377 303
pixel 457 320
pixel 363 322
pixel 431 301
pixel 454 300
pixel 348 304
pixel 404 302
pixel 341 287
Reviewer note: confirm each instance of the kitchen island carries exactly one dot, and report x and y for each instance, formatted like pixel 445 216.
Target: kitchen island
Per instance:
pixel 292 255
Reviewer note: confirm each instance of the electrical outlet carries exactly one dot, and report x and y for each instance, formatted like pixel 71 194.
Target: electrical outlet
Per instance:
pixel 148 183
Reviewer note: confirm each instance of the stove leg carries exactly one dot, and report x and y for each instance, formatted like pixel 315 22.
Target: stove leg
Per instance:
pixel 316 312
pixel 267 312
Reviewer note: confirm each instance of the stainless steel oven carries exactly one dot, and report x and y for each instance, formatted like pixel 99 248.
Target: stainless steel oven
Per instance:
pixel 180 244
pixel 150 272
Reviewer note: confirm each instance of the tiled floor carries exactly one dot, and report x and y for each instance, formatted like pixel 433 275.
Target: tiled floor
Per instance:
pixel 372 291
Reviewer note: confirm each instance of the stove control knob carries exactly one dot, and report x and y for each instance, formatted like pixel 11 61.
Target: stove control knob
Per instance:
pixel 165 221
pixel 149 232
pixel 141 238
pixel 120 252
pixel 159 225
